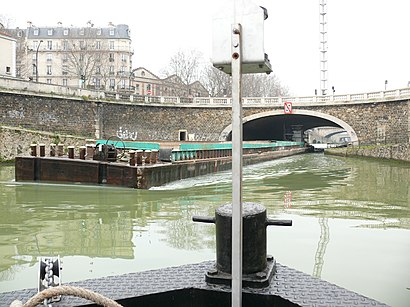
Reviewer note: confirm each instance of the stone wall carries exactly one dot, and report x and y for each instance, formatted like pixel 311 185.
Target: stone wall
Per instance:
pixel 51 114
pixel 16 141
pixel 399 152
pixel 142 122
pixel 386 122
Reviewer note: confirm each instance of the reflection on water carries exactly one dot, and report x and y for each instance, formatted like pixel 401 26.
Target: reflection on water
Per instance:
pixel 350 215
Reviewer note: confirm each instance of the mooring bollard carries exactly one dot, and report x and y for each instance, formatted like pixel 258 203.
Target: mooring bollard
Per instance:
pixel 82 152
pixel 90 151
pixel 42 150
pixel 154 156
pixel 70 152
pixel 90 145
pixel 52 150
pixel 139 157
pixel 132 157
pixel 258 268
pixel 60 150
pixel 33 150
pixel 147 154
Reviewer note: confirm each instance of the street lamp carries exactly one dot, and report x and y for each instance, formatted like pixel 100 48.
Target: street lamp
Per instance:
pixel 385 84
pixel 38 46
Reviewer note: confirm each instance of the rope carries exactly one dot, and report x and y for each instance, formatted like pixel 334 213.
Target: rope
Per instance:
pixel 71 291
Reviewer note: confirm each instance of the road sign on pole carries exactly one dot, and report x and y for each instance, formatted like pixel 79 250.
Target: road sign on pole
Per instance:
pixel 287 107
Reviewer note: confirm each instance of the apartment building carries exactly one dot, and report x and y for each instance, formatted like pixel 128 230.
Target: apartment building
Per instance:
pixel 8 55
pixel 88 57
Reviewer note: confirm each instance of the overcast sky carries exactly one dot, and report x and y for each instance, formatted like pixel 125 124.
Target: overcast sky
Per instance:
pixel 368 40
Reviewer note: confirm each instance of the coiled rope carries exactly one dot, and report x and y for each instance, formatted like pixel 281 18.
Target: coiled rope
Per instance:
pixel 67 290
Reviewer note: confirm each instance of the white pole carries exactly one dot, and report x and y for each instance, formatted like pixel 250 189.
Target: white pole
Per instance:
pixel 236 166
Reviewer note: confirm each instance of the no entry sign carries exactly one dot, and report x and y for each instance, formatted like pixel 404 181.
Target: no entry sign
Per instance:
pixel 287 107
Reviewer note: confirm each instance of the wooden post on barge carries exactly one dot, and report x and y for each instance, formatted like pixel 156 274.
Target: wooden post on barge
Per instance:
pixel 42 150
pixel 70 152
pixel 60 150
pixel 52 150
pixel 33 150
pixel 139 157
pixel 82 152
pixel 132 157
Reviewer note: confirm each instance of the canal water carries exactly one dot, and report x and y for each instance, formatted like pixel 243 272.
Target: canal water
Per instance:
pixel 351 224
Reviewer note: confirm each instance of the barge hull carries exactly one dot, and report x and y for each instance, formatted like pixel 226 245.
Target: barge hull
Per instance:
pixel 61 169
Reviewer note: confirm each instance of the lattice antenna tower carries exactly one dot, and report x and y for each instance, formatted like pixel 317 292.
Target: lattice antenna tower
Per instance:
pixel 323 46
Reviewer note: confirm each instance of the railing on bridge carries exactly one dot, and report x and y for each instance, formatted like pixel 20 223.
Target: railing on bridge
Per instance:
pixel 8 84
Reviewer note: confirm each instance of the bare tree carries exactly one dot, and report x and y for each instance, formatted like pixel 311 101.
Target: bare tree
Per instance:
pixel 81 58
pixel 216 82
pixel 262 85
pixel 253 85
pixel 186 65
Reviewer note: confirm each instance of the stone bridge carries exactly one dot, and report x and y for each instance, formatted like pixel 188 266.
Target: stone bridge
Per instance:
pixel 368 118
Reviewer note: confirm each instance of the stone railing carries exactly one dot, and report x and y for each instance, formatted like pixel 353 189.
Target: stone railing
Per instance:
pixel 22 86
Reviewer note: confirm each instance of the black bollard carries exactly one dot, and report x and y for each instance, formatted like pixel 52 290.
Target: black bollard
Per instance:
pixel 257 267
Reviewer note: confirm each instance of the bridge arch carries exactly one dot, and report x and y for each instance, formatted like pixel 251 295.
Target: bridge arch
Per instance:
pixel 271 124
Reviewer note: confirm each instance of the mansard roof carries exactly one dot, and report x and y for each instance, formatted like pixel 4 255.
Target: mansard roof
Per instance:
pixel 61 32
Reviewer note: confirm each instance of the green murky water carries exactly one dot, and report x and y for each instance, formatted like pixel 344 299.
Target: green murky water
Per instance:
pixel 351 224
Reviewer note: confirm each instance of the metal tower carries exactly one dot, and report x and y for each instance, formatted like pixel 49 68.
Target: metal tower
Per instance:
pixel 323 46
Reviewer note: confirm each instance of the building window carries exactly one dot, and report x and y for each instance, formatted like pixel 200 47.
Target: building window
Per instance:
pixel 65 82
pixel 34 69
pixel 97 83
pixel 111 70
pixel 123 84
pixel 124 57
pixel 8 70
pixel 82 31
pixel 48 69
pixel 112 31
pixel 50 45
pixel 48 81
pixel 50 32
pixel 112 83
pixel 65 45
pixel 35 32
pixel 98 70
pixel 35 45
pixel 81 58
pixel 65 70
pixel 111 45
pixel 98 45
pixel 111 57
pixel 65 57
pixel 99 31
pixel 49 57
pixel 143 73
pixel 82 45
pixel 65 32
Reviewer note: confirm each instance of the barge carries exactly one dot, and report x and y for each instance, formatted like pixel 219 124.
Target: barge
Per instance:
pixel 139 165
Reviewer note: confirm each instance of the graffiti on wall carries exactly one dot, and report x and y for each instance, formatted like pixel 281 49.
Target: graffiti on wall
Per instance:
pixel 125 134
pixel 15 114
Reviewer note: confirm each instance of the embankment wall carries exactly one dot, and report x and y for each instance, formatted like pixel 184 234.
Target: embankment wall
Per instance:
pixel 400 152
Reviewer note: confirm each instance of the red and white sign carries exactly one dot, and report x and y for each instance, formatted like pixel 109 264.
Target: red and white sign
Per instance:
pixel 149 92
pixel 287 107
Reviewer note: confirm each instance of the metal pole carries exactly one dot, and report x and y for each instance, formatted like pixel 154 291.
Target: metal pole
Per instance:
pixel 236 166
pixel 38 46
